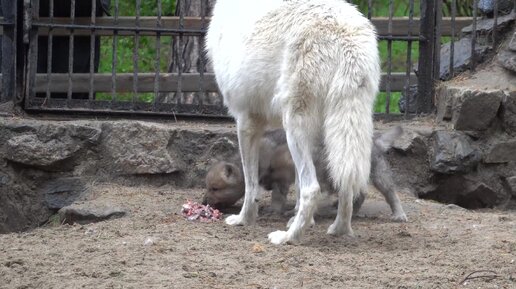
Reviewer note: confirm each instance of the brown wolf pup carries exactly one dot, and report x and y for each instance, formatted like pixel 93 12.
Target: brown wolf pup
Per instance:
pixel 225 180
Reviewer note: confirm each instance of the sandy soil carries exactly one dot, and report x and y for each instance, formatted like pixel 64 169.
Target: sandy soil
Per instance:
pixel 437 248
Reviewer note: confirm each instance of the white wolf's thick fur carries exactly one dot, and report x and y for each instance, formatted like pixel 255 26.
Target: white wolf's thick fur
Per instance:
pixel 313 67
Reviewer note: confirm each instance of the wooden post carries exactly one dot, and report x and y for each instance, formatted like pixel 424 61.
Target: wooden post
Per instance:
pixel 187 51
pixel 429 52
pixel 8 9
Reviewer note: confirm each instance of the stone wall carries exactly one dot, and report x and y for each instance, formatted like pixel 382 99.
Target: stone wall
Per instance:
pixel 46 165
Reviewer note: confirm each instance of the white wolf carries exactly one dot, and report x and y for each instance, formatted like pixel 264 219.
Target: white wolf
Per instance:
pixel 311 66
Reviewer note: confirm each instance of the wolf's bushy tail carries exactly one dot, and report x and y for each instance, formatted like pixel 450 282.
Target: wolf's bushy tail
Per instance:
pixel 348 131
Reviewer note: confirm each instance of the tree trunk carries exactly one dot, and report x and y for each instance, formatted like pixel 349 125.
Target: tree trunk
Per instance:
pixel 188 54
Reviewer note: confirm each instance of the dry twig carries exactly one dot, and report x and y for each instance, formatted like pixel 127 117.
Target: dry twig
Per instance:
pixel 489 274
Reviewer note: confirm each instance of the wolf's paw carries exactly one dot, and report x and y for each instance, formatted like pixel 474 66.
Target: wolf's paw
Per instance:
pixel 279 237
pixel 336 230
pixel 399 217
pixel 235 220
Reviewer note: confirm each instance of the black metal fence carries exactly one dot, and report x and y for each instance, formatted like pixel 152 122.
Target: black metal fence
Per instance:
pixel 146 57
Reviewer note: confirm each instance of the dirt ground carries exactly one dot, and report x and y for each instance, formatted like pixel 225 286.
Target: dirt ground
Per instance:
pixel 437 248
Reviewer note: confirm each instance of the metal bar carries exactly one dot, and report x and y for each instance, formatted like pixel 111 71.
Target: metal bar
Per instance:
pixel 202 65
pixel 452 43
pixel 6 23
pixel 192 32
pixel 426 56
pixel 192 25
pixel 49 49
pixel 179 58
pixel 389 59
pixel 135 53
pixel 369 9
pixel 71 45
pixel 102 107
pixel 437 47
pixel 92 49
pixel 183 31
pixel 409 58
pixel 30 37
pixel 158 56
pixel 114 59
pixel 21 50
pixel 474 37
pixel 168 82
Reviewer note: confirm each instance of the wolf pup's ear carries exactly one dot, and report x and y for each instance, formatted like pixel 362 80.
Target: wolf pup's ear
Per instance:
pixel 228 170
pixel 385 140
pixel 231 173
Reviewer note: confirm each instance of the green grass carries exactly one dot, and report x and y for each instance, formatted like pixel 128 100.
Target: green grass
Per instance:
pixel 54 221
pixel 381 101
pixel 381 7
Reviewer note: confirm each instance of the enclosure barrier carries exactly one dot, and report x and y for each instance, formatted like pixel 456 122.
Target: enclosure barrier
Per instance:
pixel 108 56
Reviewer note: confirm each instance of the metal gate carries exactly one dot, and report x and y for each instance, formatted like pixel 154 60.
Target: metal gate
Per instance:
pixel 94 56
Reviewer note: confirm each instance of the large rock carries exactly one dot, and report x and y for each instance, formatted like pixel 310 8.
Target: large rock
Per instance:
pixel 49 145
pixel 21 208
pixel 469 109
pixel 487 7
pixel 485 26
pixel 410 141
pixel 408 97
pixel 30 150
pixel 461 57
pixel 509 113
pixel 465 192
pixel 63 192
pixel 511 184
pixel 85 214
pixel 502 152
pixel 409 160
pixel 507 59
pixel 453 153
pixel 139 150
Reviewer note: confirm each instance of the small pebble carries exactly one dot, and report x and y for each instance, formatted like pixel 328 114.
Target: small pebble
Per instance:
pixel 258 248
pixel 89 232
pixel 148 242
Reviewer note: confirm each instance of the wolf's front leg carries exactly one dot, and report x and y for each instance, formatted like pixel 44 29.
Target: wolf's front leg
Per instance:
pixel 250 132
